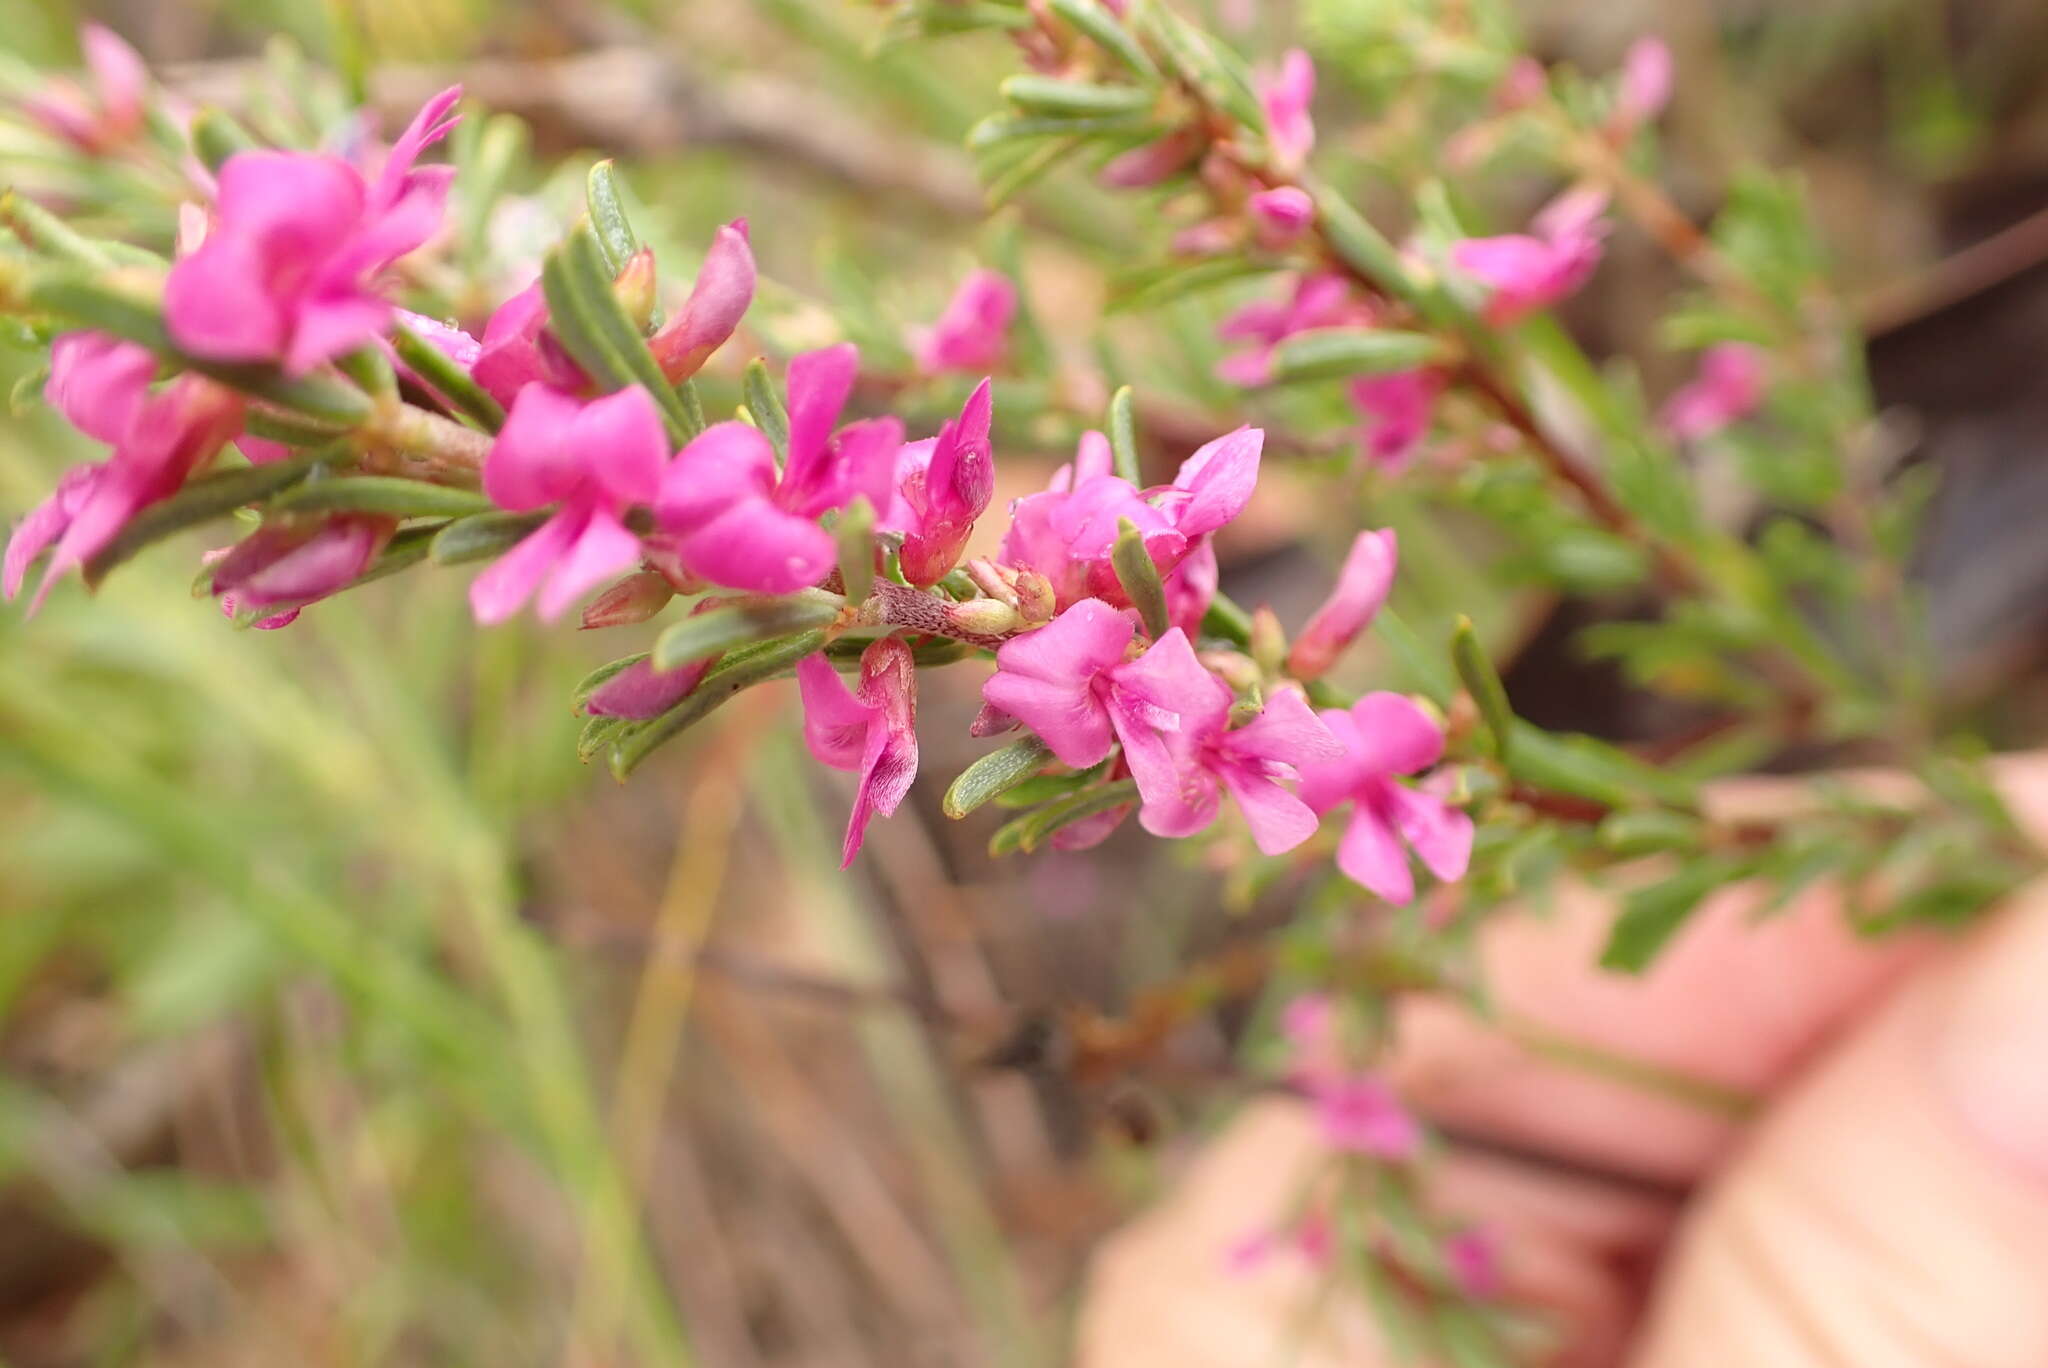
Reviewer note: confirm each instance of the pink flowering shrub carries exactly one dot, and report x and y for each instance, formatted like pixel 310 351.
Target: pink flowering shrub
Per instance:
pixel 808 489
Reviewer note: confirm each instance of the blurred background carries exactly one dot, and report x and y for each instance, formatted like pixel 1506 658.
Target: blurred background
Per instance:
pixel 346 1018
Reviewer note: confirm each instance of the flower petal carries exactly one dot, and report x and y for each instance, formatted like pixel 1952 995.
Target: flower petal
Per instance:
pixel 603 549
pixel 500 591
pixel 1371 853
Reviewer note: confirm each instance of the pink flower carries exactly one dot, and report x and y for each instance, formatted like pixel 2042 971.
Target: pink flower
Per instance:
pixel 1397 409
pixel 1529 272
pixel 1060 681
pixel 1521 85
pixel 1361 591
pixel 973 333
pixel 290 564
pixel 517 350
pixel 735 522
pixel 1645 86
pixel 641 691
pixel 1152 162
pixel 1192 756
pixel 1359 1114
pixel 1191 588
pixel 942 486
pixel 158 439
pixel 1323 300
pixel 1728 388
pixel 1309 1025
pixel 1281 215
pixel 111 114
pixel 595 461
pixel 1472 1257
pixel 1286 97
pixel 1383 735
pixel 872 729
pixel 719 298
pixel 287 273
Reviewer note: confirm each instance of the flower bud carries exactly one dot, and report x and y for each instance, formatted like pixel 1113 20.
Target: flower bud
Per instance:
pixel 717 302
pixel 1361 589
pixel 636 598
pixel 293 562
pixel 986 617
pixel 1152 162
pixel 997 581
pixel 1281 216
pixel 991 721
pixel 1235 668
pixel 1036 602
pixel 633 287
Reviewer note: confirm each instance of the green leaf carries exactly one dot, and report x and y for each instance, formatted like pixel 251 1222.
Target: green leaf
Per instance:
pixel 592 325
pixel 1215 72
pixel 203 499
pixel 739 670
pixel 1138 573
pixel 483 536
pixel 1104 30
pixel 1000 187
pixel 1227 621
pixel 1050 95
pixel 1651 916
pixel 757 391
pixel 1341 353
pixel 381 494
pixel 1564 762
pixel 1647 831
pixel 216 137
pixel 43 231
pixel 719 630
pixel 1366 250
pixel 995 773
pixel 1482 681
pixel 615 236
pixel 856 536
pixel 997 129
pixel 1123 436
pixel 693 407
pixel 1151 286
pixel 1033 829
pixel 442 375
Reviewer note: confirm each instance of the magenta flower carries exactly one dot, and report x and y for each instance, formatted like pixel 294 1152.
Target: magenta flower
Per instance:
pixel 1472 1258
pixel 735 522
pixel 1645 86
pixel 595 461
pixel 1060 681
pixel 291 564
pixel 1383 735
pixel 1323 300
pixel 1286 97
pixel 1397 409
pixel 719 298
pixel 1527 272
pixel 872 729
pixel 942 486
pixel 973 332
pixel 1281 215
pixel 1309 1025
pixel 1191 588
pixel 641 691
pixel 1360 593
pixel 1359 1114
pixel 1191 756
pixel 158 439
pixel 111 113
pixel 1728 388
pixel 287 272
pixel 1521 85
pixel 517 350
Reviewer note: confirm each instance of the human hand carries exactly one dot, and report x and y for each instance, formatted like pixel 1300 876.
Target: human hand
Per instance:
pixel 1887 1206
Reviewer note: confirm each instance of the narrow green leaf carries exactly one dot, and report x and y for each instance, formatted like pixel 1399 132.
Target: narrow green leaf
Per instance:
pixel 381 494
pixel 1123 436
pixel 1000 187
pixel 1363 247
pixel 1104 30
pixel 615 236
pixel 205 498
pixel 483 536
pixel 1202 63
pixel 589 321
pixel 1646 831
pixel 370 368
pixel 757 389
pixel 856 536
pixel 719 630
pixel 1563 762
pixel 216 137
pixel 1152 286
pixel 693 407
pixel 442 375
pixel 1139 575
pixel 1050 95
pixel 997 129
pixel 1651 916
pixel 1226 620
pixel 43 231
pixel 1033 829
pixel 995 773
pixel 1482 681
pixel 737 671
pixel 1341 353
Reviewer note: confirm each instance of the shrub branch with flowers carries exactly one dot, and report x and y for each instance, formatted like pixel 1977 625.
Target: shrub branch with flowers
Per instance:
pixel 261 359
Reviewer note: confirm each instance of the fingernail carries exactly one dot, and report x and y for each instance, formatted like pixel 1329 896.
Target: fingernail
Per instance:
pixel 1992 1058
